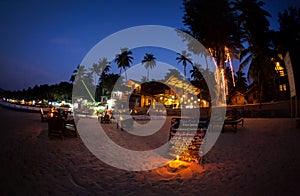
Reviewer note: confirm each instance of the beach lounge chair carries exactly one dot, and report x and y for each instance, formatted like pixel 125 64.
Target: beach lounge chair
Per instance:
pixel 233 118
pixel 56 126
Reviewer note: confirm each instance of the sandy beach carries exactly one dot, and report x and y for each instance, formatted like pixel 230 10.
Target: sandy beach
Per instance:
pixel 262 158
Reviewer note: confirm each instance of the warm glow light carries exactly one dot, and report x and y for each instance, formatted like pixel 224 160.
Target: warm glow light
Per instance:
pixel 177 163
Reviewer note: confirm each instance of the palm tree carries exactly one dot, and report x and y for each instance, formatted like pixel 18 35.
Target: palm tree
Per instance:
pixel 241 81
pixel 108 83
pixel 123 60
pixel 184 57
pixel 78 73
pixel 259 53
pixel 198 73
pixel 104 65
pixel 149 62
pixel 213 24
pixel 172 73
pixel 73 76
pixel 289 32
pixel 95 71
pixel 101 69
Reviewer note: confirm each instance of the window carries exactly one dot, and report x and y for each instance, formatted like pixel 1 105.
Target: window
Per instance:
pixel 279 69
pixel 282 87
pixel 281 73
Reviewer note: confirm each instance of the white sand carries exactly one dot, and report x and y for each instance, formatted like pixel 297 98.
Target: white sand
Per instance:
pixel 262 158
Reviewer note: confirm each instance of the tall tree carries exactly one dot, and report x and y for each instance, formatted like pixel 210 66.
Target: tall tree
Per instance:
pixel 78 73
pixel 214 25
pixel 123 60
pixel 241 82
pixel 149 62
pixel 289 30
pixel 259 53
pixel 95 70
pixel 197 73
pixel 100 69
pixel 108 83
pixel 173 72
pixel 104 66
pixel 288 39
pixel 184 58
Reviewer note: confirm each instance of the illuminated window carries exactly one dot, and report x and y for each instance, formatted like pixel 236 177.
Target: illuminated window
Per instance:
pixel 282 87
pixel 279 69
pixel 281 73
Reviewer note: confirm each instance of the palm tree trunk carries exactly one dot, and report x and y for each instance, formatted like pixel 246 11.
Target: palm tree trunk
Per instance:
pixel 148 75
pixel 125 75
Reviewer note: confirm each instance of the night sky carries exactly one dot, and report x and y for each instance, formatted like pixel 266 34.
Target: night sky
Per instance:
pixel 42 42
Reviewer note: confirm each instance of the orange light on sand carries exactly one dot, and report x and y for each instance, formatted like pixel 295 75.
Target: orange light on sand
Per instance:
pixel 178 164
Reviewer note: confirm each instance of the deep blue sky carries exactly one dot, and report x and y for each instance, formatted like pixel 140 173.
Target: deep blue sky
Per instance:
pixel 42 41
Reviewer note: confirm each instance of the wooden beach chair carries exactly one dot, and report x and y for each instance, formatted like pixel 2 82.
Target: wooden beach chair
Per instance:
pixel 233 118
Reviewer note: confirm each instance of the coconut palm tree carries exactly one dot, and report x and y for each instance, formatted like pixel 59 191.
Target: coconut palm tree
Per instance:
pixel 95 71
pixel 99 69
pixel 123 60
pixel 184 57
pixel 149 62
pixel 104 66
pixel 241 81
pixel 259 54
pixel 172 73
pixel 213 25
pixel 78 73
